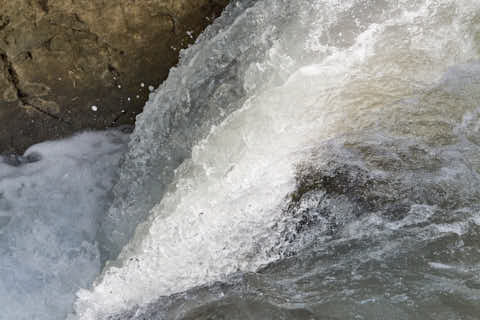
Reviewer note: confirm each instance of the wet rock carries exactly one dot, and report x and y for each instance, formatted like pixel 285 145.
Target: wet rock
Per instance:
pixel 88 64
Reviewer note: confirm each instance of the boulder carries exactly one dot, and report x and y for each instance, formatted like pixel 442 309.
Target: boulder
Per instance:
pixel 70 65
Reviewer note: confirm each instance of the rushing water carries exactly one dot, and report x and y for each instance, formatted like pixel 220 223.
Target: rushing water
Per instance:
pixel 311 159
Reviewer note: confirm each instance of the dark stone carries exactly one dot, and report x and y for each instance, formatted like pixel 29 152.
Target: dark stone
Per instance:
pixel 59 58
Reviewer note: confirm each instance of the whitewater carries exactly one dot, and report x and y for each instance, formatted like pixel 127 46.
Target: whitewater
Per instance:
pixel 305 160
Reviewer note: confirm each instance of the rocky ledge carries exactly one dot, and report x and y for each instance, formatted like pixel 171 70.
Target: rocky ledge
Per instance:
pixel 69 65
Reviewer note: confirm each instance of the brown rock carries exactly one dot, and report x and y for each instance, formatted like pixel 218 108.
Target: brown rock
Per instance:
pixel 58 58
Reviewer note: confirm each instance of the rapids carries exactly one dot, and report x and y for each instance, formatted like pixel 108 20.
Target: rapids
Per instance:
pixel 311 159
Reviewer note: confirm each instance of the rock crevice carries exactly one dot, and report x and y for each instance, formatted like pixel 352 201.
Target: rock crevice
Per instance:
pixel 21 96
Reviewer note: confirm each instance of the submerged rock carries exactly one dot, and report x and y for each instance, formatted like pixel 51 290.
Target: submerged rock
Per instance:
pixel 89 64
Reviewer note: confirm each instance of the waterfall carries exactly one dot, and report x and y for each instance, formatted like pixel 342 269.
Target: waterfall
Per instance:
pixel 305 159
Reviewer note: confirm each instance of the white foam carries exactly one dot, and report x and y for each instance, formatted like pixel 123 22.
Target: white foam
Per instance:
pixel 441 266
pixel 49 208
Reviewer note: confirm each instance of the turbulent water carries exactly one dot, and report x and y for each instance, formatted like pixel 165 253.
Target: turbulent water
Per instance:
pixel 50 203
pixel 306 160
